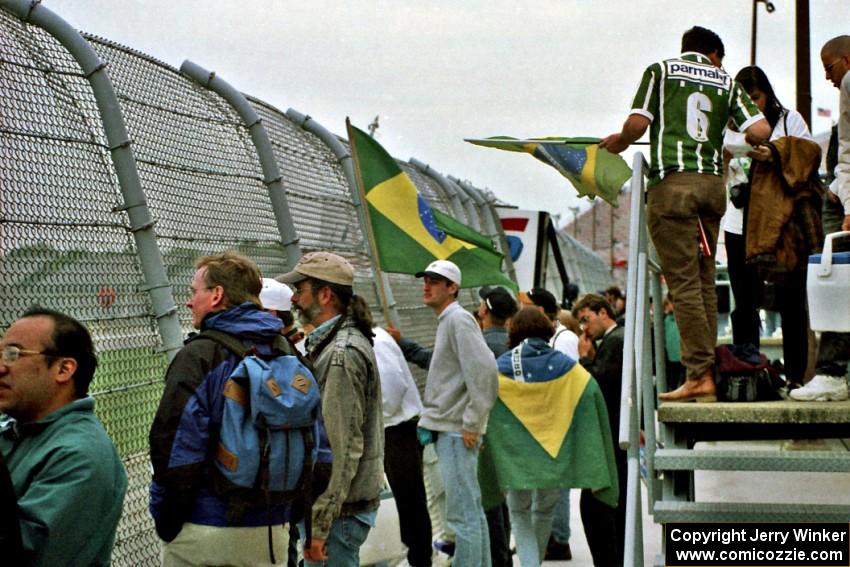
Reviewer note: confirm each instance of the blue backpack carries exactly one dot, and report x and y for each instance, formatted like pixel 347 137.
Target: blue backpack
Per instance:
pixel 269 431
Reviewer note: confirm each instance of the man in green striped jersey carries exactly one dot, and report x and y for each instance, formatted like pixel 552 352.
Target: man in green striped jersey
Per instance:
pixel 686 102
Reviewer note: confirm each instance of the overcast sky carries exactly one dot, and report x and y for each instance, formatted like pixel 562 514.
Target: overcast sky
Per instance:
pixel 438 71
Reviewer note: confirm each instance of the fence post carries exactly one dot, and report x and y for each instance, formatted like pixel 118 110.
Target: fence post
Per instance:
pixel 468 205
pixel 492 223
pixel 343 154
pixel 271 172
pixel 120 150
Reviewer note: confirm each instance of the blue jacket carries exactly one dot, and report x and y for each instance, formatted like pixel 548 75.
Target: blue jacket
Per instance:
pixel 183 437
pixel 540 362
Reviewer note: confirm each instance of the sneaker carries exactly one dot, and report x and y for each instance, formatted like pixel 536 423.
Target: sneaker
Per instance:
pixel 445 546
pixel 556 551
pixel 822 388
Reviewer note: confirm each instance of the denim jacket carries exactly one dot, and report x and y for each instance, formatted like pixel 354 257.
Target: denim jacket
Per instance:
pixel 351 410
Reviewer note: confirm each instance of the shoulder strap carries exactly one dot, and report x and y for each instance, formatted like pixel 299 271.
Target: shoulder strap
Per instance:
pixel 558 334
pixel 226 340
pixel 281 345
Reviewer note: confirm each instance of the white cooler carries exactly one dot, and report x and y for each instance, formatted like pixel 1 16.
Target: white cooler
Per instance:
pixel 828 288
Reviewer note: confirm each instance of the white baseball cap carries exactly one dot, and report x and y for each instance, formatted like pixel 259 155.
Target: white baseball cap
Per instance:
pixel 275 295
pixel 443 269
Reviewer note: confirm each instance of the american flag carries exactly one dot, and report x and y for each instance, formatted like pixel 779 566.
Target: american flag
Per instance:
pixel 825 112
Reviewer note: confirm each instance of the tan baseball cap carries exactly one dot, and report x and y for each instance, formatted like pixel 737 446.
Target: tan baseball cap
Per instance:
pixel 325 266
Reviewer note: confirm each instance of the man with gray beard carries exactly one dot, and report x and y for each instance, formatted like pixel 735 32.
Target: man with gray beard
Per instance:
pixel 340 348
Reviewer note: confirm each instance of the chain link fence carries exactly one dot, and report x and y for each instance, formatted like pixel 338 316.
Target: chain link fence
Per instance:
pixel 66 243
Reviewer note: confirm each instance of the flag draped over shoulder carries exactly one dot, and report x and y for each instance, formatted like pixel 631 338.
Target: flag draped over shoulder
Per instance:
pixel 408 233
pixel 552 432
pixel 591 170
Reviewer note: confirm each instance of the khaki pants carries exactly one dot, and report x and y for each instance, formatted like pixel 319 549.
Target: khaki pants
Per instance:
pixel 673 206
pixel 198 545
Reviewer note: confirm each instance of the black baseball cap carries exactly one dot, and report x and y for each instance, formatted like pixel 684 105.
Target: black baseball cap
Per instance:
pixel 543 298
pixel 499 301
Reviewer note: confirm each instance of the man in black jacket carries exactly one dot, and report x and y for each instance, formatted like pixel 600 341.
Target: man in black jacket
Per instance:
pixel 10 530
pixel 601 353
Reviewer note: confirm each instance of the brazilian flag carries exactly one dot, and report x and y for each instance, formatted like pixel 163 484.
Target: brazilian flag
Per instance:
pixel 591 170
pixel 408 233
pixel 548 433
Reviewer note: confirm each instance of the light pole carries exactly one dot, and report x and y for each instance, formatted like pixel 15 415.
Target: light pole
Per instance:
pixel 574 210
pixel 768 5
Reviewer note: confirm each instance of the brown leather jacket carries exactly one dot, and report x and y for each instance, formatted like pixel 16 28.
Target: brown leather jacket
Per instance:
pixel 782 224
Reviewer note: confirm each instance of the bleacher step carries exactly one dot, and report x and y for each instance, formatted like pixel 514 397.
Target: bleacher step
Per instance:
pixel 678 511
pixel 755 460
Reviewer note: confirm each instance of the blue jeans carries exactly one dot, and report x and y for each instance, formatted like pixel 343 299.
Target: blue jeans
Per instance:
pixel 531 520
pixel 561 520
pixel 834 350
pixel 464 513
pixel 344 540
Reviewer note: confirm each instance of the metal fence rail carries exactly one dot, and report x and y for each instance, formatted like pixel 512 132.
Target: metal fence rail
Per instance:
pixel 67 242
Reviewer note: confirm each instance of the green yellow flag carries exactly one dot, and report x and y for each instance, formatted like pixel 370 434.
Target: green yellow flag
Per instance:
pixel 550 433
pixel 591 170
pixel 408 233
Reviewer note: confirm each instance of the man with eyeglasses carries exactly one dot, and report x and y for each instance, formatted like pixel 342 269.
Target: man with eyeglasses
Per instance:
pixel 341 349
pixel 461 388
pixel 830 380
pixel 67 476
pixel 195 520
pixel 687 102
pixel 835 55
pixel 598 320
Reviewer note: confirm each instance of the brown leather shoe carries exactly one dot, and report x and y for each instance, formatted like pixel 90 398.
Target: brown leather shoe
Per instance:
pixel 700 390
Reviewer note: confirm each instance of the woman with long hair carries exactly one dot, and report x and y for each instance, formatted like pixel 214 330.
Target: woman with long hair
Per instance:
pixel 747 285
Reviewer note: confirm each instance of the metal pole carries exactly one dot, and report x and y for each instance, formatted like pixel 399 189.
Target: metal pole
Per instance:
pixel 479 206
pixel 753 33
pixel 120 149
pixel 342 153
pixel 468 204
pixel 575 210
pixel 804 72
pixel 492 223
pixel 503 240
pixel 593 232
pixel 271 172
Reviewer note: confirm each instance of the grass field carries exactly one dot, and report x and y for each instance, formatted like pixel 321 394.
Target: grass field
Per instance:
pixel 127 388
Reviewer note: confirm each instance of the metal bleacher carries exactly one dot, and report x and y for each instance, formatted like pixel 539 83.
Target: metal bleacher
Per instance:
pixel 686 440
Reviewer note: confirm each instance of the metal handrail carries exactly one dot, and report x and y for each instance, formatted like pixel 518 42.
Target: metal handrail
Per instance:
pixel 142 223
pixel 638 394
pixel 272 177
pixel 342 152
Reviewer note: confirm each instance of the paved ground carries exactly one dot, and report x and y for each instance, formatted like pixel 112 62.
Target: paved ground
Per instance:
pixel 578 544
pixel 735 486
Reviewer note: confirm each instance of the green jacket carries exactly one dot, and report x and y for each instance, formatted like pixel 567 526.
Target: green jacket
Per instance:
pixel 70 485
pixel 351 411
